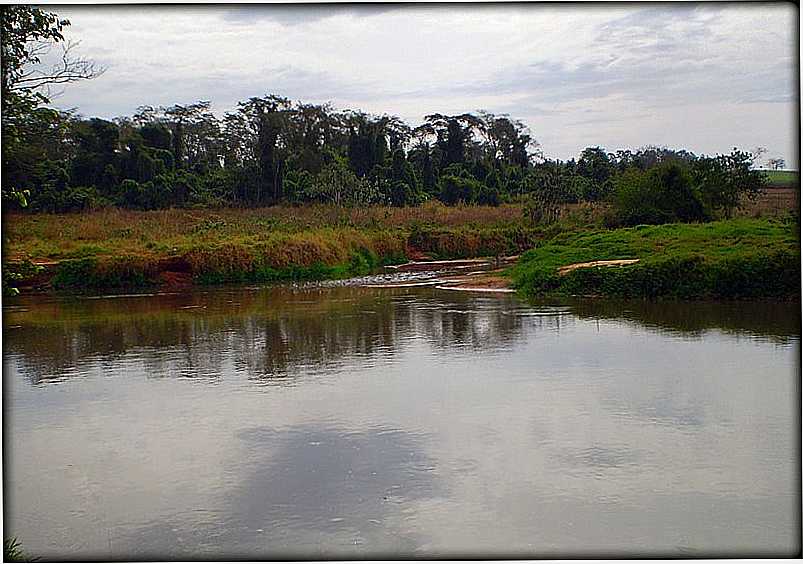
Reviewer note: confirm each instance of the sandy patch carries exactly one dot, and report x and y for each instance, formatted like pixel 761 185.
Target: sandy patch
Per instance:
pixel 564 270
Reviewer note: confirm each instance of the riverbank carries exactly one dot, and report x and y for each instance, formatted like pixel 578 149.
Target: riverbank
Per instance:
pixel 175 249
pixel 738 258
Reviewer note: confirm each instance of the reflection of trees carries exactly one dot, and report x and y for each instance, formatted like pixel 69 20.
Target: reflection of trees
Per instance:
pixel 281 332
pixel 775 321
pixel 466 320
pixel 266 334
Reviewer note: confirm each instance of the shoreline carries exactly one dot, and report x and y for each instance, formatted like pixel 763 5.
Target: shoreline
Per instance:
pixel 728 259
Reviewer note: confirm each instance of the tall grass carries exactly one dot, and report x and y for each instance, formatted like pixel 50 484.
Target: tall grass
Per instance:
pixel 125 249
pixel 116 231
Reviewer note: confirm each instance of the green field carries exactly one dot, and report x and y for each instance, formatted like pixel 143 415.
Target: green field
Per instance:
pixel 783 178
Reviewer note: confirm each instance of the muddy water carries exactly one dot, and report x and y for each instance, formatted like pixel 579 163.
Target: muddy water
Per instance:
pixel 353 422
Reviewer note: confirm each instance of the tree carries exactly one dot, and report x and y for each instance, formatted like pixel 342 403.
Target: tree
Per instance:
pixel 757 155
pixel 454 135
pixel 725 181
pixel 663 194
pixel 311 130
pixel 421 158
pixel 265 124
pixel 596 166
pixel 362 144
pixel 549 186
pixel 28 33
pixel 506 140
pixel 95 143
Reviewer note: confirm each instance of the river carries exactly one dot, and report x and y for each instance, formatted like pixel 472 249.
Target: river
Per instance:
pixel 347 422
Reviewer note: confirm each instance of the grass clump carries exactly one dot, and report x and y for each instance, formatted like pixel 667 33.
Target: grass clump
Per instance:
pixel 469 242
pixel 12 551
pixel 92 273
pixel 742 258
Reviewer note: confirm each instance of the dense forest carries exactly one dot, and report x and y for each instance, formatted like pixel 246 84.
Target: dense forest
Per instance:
pixel 272 150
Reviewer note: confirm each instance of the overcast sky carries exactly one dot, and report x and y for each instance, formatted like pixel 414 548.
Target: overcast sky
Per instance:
pixel 706 77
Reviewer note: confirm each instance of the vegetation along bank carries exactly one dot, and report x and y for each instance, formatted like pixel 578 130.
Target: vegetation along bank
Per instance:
pixel 738 258
pixel 174 249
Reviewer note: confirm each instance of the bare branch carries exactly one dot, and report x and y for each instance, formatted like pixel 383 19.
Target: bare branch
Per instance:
pixel 68 69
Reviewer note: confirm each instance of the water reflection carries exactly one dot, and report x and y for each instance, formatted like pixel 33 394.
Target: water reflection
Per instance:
pixel 305 491
pixel 775 321
pixel 272 334
pixel 354 423
pixel 268 334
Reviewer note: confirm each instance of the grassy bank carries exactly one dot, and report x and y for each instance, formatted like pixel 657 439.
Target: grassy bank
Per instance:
pixel 125 249
pixel 118 249
pixel 739 258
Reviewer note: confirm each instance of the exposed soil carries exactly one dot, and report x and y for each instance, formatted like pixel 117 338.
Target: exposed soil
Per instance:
pixel 458 264
pixel 564 270
pixel 171 280
pixel 489 281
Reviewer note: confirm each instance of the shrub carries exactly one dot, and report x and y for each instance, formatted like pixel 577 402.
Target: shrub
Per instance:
pixel 91 273
pixel 69 199
pixel 458 189
pixel 662 194
pixel 15 272
pixel 725 181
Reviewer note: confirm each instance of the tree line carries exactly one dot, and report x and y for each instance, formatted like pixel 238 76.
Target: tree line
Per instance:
pixel 271 150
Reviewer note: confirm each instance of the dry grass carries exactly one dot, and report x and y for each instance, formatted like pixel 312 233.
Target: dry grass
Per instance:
pixel 112 247
pixel 155 233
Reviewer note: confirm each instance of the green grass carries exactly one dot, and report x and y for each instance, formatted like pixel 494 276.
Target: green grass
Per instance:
pixel 786 178
pixel 725 259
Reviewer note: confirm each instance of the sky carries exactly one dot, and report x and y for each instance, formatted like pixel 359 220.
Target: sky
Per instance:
pixel 705 77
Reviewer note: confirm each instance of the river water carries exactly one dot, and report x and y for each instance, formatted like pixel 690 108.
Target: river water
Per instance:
pixel 336 422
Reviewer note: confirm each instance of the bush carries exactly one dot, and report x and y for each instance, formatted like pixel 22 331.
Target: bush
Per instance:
pixel 15 272
pixel 725 181
pixel 662 194
pixel 92 274
pixel 68 199
pixel 458 189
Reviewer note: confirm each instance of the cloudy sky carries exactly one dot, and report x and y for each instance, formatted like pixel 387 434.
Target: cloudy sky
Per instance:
pixel 707 77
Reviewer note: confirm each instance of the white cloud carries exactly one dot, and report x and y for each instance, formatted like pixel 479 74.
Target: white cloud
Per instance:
pixel 706 77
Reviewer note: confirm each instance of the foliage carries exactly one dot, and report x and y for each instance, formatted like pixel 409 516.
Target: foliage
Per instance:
pixel 90 273
pixel 663 194
pixel 459 188
pixel 31 133
pixel 16 271
pixel 726 180
pixel 675 190
pixel 549 186
pixel 272 150
pixel 12 551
